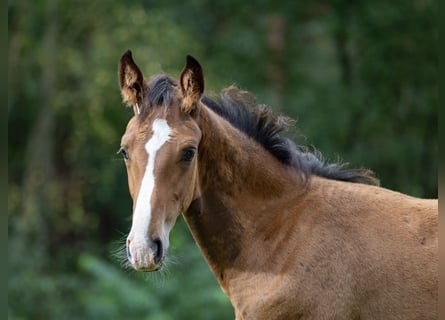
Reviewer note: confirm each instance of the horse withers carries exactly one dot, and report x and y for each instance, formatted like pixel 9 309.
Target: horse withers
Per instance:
pixel 287 235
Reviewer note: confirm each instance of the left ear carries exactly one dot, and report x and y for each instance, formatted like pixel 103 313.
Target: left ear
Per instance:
pixel 192 85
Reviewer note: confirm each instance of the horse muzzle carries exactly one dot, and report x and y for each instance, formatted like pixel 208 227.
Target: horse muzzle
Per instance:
pixel 144 254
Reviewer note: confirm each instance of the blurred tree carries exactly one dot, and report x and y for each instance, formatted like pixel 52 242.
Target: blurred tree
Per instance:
pixel 359 77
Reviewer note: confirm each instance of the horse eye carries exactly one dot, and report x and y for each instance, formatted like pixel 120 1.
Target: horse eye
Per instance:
pixel 124 152
pixel 188 154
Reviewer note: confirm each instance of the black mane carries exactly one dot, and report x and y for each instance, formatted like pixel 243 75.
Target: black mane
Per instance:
pixel 258 122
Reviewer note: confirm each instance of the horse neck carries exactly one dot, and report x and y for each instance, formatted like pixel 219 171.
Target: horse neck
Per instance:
pixel 234 164
pixel 240 187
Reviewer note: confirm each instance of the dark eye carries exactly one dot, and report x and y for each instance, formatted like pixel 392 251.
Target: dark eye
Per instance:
pixel 124 152
pixel 188 154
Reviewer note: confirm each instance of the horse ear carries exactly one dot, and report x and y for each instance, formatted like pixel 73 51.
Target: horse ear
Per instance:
pixel 131 82
pixel 192 85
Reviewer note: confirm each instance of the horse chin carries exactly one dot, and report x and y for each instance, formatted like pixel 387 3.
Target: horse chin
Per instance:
pixel 149 268
pixel 152 269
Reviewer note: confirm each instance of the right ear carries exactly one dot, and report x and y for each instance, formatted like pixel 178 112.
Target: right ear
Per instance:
pixel 131 82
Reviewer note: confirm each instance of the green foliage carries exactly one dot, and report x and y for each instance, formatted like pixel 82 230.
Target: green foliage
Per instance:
pixel 175 295
pixel 360 77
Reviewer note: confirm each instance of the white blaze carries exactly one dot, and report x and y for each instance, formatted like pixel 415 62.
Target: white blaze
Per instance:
pixel 142 211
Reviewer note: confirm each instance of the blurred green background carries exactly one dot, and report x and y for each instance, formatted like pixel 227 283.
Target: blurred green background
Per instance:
pixel 359 76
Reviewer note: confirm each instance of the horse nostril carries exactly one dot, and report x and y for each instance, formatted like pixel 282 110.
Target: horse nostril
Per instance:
pixel 157 250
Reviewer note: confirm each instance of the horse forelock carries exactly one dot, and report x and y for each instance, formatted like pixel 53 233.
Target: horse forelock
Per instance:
pixel 159 92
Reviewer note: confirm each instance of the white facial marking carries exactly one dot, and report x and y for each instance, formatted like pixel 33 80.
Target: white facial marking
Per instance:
pixel 142 211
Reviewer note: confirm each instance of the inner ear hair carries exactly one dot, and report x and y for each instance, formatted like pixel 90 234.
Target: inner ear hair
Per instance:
pixel 131 81
pixel 192 84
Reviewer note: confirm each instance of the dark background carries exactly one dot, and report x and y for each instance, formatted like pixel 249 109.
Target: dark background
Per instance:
pixel 358 76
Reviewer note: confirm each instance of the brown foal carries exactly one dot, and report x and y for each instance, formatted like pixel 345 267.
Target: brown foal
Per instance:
pixel 286 235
